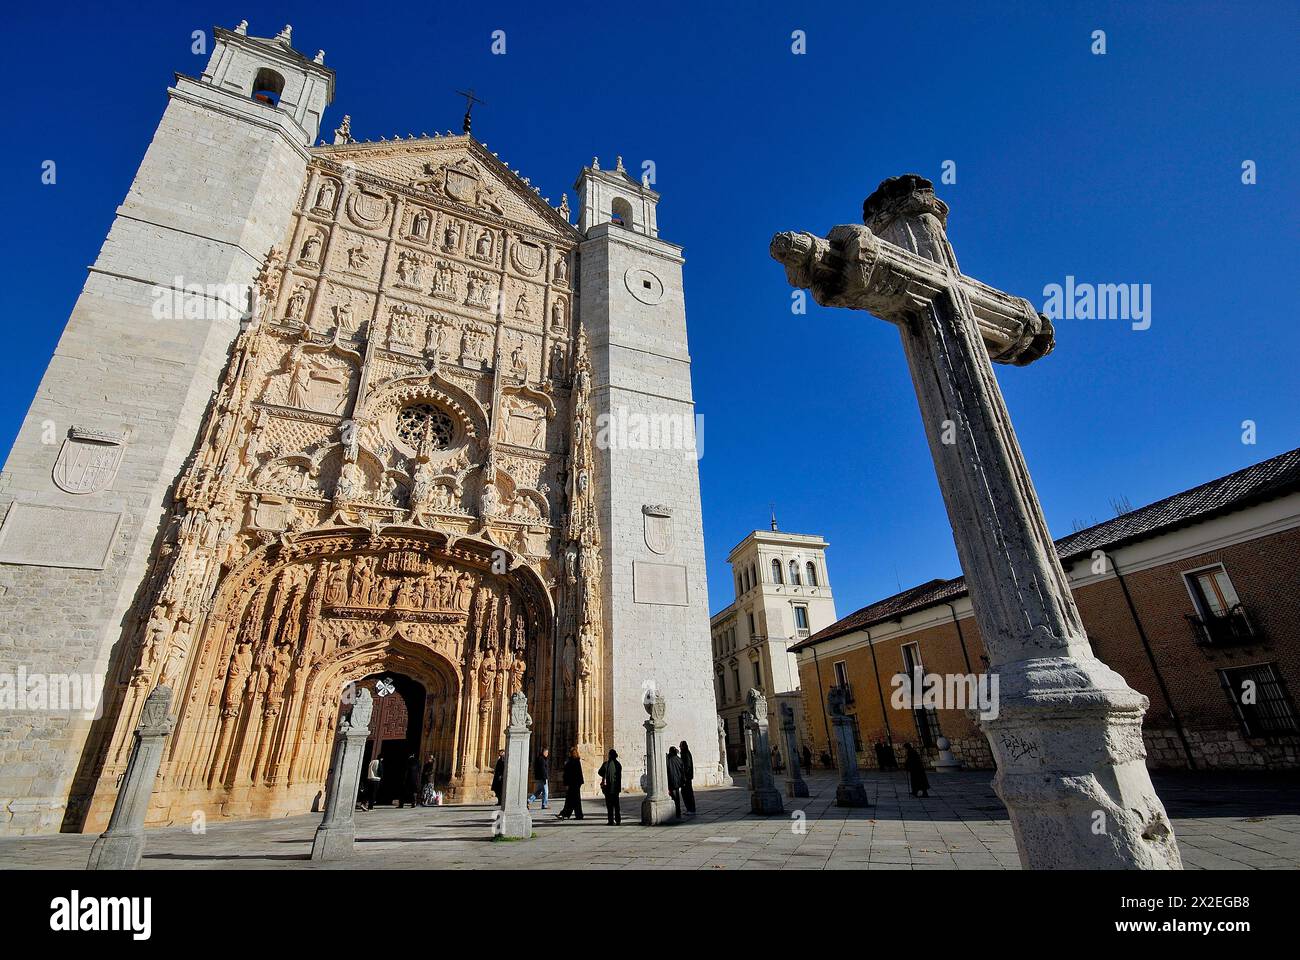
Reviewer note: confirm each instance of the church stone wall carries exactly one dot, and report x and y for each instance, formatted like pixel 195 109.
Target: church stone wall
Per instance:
pixel 213 192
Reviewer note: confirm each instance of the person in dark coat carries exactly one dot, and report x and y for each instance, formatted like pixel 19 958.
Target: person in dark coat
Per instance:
pixel 499 779
pixel 542 779
pixel 410 783
pixel 915 766
pixel 675 769
pixel 880 754
pixel 688 775
pixel 572 786
pixel 827 761
pixel 891 762
pixel 807 757
pixel 611 784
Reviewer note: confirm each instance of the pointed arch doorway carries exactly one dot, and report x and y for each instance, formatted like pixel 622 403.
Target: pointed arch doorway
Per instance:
pixel 396 729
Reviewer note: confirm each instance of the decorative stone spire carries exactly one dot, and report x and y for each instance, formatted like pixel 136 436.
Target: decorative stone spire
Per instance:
pixel 285 36
pixel 595 163
pixel 320 57
pixel 564 207
pixel 618 165
pixel 242 29
pixel 773 506
pixel 344 132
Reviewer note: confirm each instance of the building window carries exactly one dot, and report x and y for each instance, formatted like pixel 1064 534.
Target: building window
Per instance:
pixel 801 620
pixel 1260 700
pixel 794 573
pixel 758 674
pixel 927 720
pixel 740 586
pixel 776 572
pixel 811 570
pixel 752 632
pixel 1220 618
pixel 753 575
pixel 841 673
pixel 735 675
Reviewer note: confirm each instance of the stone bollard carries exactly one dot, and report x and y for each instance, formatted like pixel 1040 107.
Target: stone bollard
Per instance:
pixel 794 781
pixel 122 844
pixel 724 774
pixel 515 820
pixel 334 836
pixel 764 798
pixel 657 807
pixel 850 792
pixel 947 762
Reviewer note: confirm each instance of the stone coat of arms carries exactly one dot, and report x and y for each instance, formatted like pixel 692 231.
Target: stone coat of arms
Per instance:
pixel 88 460
pixel 658 528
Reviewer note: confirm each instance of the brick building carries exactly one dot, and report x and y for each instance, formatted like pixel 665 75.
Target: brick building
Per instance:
pixel 1192 599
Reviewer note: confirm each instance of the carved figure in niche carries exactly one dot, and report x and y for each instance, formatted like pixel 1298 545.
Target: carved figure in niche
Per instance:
pixel 442 497
pixel 557 315
pixel 518 359
pixel 451 236
pixel 517 675
pixel 444 280
pixel 405 595
pixel 420 224
pixel 311 249
pixel 241 665
pixel 472 347
pixel 488 499
pixel 588 652
pixel 343 316
pixel 155 635
pixel 484 248
pixel 180 649
pixel 409 268
pixel 336 590
pixel 357 258
pixel 362 581
pixel 567 659
pixel 464 590
pixel 420 594
pixel 401 328
pixel 557 361
pixel 444 581
pixel 349 482
pixel 486 675
pixel 325 195
pixel 561 270
pixel 480 610
pixel 522 306
pixel 297 305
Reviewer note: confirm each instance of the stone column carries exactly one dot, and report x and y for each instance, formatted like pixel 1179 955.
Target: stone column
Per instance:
pixel 122 844
pixel 515 820
pixel 764 798
pixel 657 807
pixel 724 773
pixel 334 836
pixel 794 782
pixel 850 792
pixel 1068 733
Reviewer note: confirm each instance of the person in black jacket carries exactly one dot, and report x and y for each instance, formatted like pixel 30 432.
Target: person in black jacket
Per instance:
pixel 675 769
pixel 499 778
pixel 611 783
pixel 410 783
pixel 688 775
pixel 915 766
pixel 572 786
pixel 542 779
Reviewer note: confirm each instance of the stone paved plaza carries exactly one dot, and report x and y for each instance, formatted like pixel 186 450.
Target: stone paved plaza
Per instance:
pixel 1228 822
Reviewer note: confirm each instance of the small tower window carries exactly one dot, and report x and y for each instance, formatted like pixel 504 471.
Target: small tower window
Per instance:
pixel 776 572
pixel 267 87
pixel 794 573
pixel 812 573
pixel 621 212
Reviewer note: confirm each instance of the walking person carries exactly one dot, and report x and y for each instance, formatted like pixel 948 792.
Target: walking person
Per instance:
pixel 918 782
pixel 410 783
pixel 675 779
pixel 688 775
pixel 542 779
pixel 374 774
pixel 807 758
pixel 572 786
pixel 611 784
pixel 499 778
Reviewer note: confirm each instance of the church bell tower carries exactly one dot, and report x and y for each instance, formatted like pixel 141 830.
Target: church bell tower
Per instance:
pixel 656 609
pixel 84 493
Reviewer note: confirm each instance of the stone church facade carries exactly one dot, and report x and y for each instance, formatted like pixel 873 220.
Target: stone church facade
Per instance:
pixel 333 414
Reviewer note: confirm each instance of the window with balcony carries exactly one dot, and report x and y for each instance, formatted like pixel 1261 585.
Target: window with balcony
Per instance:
pixel 1260 700
pixel 1220 619
pixel 801 620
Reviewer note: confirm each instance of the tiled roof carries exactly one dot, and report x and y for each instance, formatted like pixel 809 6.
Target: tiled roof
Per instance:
pixel 1254 484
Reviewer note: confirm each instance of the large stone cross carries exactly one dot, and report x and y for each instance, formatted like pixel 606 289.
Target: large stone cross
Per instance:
pixel 1068 732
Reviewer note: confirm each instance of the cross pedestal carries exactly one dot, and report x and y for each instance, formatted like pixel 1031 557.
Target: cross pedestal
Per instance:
pixel 1068 734
pixel 795 785
pixel 337 831
pixel 657 807
pixel 764 798
pixel 516 821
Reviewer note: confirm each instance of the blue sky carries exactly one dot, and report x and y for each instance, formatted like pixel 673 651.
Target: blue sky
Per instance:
pixel 1122 168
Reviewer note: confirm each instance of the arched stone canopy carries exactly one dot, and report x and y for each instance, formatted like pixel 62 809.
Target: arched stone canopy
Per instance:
pixel 300 618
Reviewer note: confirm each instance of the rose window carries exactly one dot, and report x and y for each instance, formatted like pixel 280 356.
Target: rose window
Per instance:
pixel 421 420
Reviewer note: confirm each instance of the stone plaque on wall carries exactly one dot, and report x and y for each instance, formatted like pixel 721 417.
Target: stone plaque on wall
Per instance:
pixel 45 536
pixel 659 583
